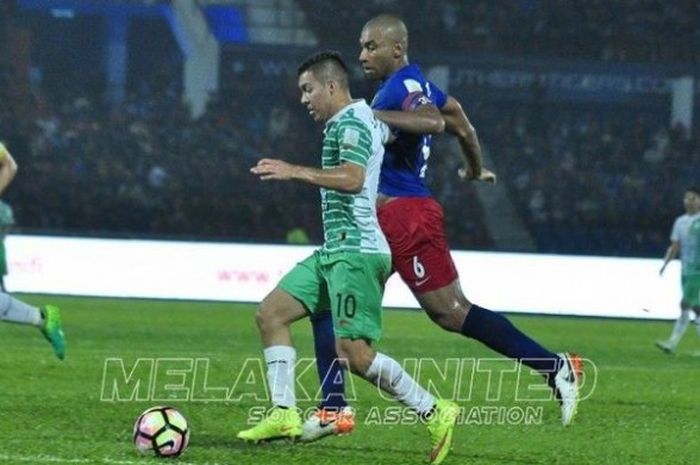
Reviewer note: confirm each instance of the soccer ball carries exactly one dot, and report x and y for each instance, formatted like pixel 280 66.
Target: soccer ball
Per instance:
pixel 162 431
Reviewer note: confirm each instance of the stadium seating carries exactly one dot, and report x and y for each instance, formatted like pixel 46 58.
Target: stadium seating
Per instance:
pixel 582 181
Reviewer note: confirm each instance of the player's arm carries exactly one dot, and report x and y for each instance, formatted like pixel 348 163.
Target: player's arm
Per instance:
pixel 8 168
pixel 671 253
pixel 348 177
pixel 457 124
pixel 423 119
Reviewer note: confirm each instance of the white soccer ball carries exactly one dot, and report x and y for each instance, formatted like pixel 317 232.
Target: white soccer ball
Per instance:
pixel 161 431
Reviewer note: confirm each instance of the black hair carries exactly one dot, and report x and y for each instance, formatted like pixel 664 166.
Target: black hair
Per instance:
pixel 693 189
pixel 327 65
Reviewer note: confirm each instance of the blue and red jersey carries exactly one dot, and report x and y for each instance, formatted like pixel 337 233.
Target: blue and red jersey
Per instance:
pixel 406 159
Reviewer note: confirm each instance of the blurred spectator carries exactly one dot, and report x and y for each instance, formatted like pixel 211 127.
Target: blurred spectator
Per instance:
pixel 297 236
pixel 591 184
pixel 621 30
pixel 583 179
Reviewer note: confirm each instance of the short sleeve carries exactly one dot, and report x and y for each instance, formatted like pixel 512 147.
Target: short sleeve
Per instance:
pixel 354 142
pixel 401 94
pixel 436 94
pixel 676 231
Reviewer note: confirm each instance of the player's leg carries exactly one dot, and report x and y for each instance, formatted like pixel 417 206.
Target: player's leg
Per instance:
pixel 330 372
pixel 15 311
pixel 422 258
pixel 48 320
pixel 696 311
pixel 389 376
pixel 333 415
pixel 690 288
pixel 300 292
pixel 356 287
pixel 679 327
pixel 447 305
pixel 420 252
pixel 691 297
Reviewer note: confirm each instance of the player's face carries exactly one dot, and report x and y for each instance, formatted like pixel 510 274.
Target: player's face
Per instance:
pixel 315 96
pixel 691 201
pixel 377 53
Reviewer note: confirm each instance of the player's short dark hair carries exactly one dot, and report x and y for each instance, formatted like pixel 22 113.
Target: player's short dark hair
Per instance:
pixel 694 189
pixel 326 66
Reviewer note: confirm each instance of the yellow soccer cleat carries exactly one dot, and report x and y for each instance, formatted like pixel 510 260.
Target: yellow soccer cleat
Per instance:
pixel 280 423
pixel 441 425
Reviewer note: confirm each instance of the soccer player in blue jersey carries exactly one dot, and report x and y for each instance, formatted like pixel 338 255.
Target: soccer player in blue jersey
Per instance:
pixel 412 221
pixel 12 310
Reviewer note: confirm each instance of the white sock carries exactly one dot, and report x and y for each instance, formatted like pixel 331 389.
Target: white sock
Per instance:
pixel 280 374
pixel 679 328
pixel 393 379
pixel 16 311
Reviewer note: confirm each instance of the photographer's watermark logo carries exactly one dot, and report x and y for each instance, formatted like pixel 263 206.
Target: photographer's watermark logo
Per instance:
pixel 489 391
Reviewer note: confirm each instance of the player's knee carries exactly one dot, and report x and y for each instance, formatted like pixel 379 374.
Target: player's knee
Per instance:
pixel 359 364
pixel 267 316
pixel 450 321
pixel 260 318
pixel 354 357
pixel 447 307
pixel 451 318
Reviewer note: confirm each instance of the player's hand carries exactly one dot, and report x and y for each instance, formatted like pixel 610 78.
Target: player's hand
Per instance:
pixel 486 175
pixel 272 169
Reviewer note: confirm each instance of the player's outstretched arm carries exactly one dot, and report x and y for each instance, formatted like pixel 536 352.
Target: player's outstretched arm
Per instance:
pixel 671 253
pixel 424 119
pixel 457 124
pixel 8 168
pixel 348 177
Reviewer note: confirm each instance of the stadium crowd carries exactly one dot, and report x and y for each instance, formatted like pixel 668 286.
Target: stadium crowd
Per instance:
pixel 623 30
pixel 144 168
pixel 581 184
pixel 583 181
pixel 590 184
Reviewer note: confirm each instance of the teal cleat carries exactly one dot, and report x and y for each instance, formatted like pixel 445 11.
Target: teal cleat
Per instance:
pixel 53 330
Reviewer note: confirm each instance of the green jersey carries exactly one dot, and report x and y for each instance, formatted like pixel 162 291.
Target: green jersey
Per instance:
pixel 686 230
pixel 7 218
pixel 353 135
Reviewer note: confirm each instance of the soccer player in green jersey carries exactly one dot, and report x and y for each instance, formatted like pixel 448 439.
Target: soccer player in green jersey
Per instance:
pixel 685 238
pixel 12 310
pixel 348 273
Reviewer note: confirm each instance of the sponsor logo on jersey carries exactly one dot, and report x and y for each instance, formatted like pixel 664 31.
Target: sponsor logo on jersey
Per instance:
pixel 351 137
pixel 412 86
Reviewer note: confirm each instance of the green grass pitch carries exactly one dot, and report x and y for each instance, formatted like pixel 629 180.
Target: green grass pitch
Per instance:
pixel 643 408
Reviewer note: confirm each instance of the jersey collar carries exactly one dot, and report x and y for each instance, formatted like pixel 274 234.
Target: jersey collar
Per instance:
pixel 355 104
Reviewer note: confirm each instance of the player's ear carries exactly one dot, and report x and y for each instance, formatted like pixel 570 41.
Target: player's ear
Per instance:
pixel 398 50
